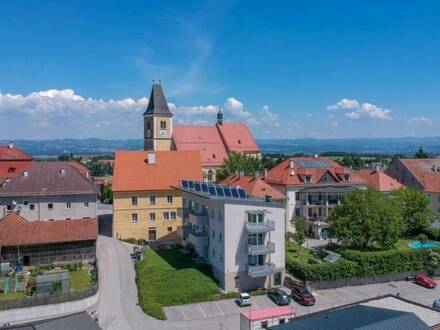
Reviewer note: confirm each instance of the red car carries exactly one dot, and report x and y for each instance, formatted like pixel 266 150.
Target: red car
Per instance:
pixel 302 295
pixel 425 281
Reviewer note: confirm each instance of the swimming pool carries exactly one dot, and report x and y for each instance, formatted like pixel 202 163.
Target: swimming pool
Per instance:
pixel 418 245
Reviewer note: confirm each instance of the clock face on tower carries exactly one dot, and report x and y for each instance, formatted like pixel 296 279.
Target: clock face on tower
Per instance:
pixel 163 133
pixel 148 133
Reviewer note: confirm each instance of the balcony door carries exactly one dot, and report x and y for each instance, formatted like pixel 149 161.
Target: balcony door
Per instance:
pixel 256 260
pixel 255 217
pixel 255 239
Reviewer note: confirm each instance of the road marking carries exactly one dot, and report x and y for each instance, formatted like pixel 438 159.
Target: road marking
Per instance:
pixel 255 303
pixel 184 316
pixel 204 315
pixel 223 313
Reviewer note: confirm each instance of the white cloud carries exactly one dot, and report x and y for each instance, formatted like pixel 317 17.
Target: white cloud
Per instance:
pixel 269 117
pixel 236 108
pixel 344 104
pixel 420 120
pixel 364 110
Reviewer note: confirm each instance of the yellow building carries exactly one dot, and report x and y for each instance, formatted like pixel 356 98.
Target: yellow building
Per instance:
pixel 145 204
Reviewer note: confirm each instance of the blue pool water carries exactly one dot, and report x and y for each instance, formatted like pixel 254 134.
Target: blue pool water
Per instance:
pixel 418 245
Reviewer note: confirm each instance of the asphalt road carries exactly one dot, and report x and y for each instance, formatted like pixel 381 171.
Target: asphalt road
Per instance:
pixel 118 309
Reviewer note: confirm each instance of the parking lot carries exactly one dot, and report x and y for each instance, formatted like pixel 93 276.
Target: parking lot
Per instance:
pixel 325 299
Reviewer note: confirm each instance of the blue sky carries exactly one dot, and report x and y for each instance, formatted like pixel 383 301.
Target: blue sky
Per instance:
pixel 289 69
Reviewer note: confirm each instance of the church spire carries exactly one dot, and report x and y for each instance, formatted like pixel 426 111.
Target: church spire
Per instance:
pixel 157 104
pixel 220 116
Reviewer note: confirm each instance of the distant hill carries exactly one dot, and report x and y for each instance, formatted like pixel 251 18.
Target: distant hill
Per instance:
pixel 92 146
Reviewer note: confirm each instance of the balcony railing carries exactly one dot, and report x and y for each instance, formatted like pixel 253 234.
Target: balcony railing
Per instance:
pixel 260 227
pixel 261 270
pixel 261 248
pixel 197 238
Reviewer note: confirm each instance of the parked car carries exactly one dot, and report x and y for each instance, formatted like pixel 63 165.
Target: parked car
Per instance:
pixel 436 304
pixel 279 297
pixel 302 295
pixel 424 280
pixel 244 299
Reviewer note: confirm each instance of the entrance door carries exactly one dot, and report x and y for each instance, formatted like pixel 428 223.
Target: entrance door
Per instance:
pixel 26 260
pixel 151 234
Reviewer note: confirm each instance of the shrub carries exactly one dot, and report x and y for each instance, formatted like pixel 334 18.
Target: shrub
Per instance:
pixel 141 241
pixel 130 240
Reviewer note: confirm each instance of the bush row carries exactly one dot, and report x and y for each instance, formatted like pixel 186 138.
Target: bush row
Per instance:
pixel 362 264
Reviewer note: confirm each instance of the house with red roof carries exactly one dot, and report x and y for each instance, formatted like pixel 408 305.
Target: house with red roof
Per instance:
pixel 423 174
pixel 379 180
pixel 13 161
pixel 45 242
pixel 313 186
pixel 214 142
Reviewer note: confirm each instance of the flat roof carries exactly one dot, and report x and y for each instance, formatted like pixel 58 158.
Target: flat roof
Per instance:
pixel 268 313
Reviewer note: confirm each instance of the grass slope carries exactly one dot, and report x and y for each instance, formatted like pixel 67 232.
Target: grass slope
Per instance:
pixel 168 278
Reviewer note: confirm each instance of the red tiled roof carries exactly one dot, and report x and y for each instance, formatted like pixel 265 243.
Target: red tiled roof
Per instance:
pixel 11 169
pixel 379 180
pixel 133 173
pixel 80 167
pixel 48 178
pixel 14 153
pixel 422 170
pixel 254 186
pixel 283 174
pixel 238 138
pixel 15 230
pixel 203 138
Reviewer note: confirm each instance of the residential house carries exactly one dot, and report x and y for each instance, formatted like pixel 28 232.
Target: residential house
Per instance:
pixel 213 142
pixel 145 204
pixel 49 191
pixel 313 186
pixel 423 174
pixel 241 237
pixel 13 161
pixel 44 242
pixel 378 180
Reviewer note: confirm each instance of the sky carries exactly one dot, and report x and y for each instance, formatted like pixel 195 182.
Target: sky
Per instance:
pixel 289 69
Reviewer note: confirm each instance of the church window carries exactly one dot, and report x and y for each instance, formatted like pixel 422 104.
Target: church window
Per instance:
pixel 163 124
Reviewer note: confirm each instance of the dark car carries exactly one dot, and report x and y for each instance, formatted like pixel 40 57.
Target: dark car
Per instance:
pixel 302 295
pixel 424 280
pixel 279 297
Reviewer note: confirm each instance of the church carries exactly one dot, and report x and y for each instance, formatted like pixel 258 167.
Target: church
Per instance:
pixel 214 142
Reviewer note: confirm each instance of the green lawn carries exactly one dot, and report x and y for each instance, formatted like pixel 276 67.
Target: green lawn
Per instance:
pixel 12 295
pixel 79 279
pixel 168 277
pixel 292 252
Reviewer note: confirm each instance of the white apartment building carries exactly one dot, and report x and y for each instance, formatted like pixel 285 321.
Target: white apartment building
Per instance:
pixel 241 237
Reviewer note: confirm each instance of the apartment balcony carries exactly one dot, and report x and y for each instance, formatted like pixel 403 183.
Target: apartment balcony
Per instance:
pixel 261 248
pixel 267 269
pixel 260 227
pixel 198 218
pixel 197 239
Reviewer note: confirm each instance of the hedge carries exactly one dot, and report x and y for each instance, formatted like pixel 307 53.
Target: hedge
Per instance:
pixel 362 264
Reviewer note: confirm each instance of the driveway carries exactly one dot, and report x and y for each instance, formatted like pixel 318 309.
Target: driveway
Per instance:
pixel 118 309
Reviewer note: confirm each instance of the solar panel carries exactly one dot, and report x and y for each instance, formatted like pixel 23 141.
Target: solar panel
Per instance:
pixel 212 191
pixel 219 191
pixel 185 184
pixel 191 184
pixel 204 187
pixel 197 186
pixel 241 193
pixel 227 191
pixel 313 164
pixel 234 192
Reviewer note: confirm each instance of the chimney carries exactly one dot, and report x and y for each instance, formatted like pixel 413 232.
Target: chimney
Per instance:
pixel 237 173
pixel 268 198
pixel 220 116
pixel 25 173
pixel 315 156
pixel 63 171
pixel 265 174
pixel 377 168
pixel 256 174
pixel 11 145
pixel 292 172
pixel 291 164
pixel 241 173
pixel 151 158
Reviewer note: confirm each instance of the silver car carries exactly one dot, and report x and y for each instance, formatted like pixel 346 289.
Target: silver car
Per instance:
pixel 244 299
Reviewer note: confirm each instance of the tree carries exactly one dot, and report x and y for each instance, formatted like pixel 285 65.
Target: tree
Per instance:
pixel 106 193
pixel 422 238
pixel 352 161
pixel 239 162
pixel 301 229
pixel 420 153
pixel 416 211
pixel 366 218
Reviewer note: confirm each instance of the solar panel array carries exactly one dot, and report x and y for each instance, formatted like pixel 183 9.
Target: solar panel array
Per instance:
pixel 212 189
pixel 313 164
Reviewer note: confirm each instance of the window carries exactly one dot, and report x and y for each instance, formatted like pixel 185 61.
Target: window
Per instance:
pixel 148 125
pixel 346 177
pixel 68 205
pixel 173 215
pixel 163 124
pixel 134 217
pixel 11 170
pixel 166 216
pixel 152 216
pixel 264 324
pixel 152 199
pixel 213 233
pixel 297 196
pixel 32 207
pixel 307 178
pixel 86 204
pixel 438 198
pixel 25 203
pixel 134 200
pixel 9 207
pixel 50 206
pixel 220 237
pixel 170 229
pixel 213 253
pixel 170 199
pixel 221 257
pixel 297 212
